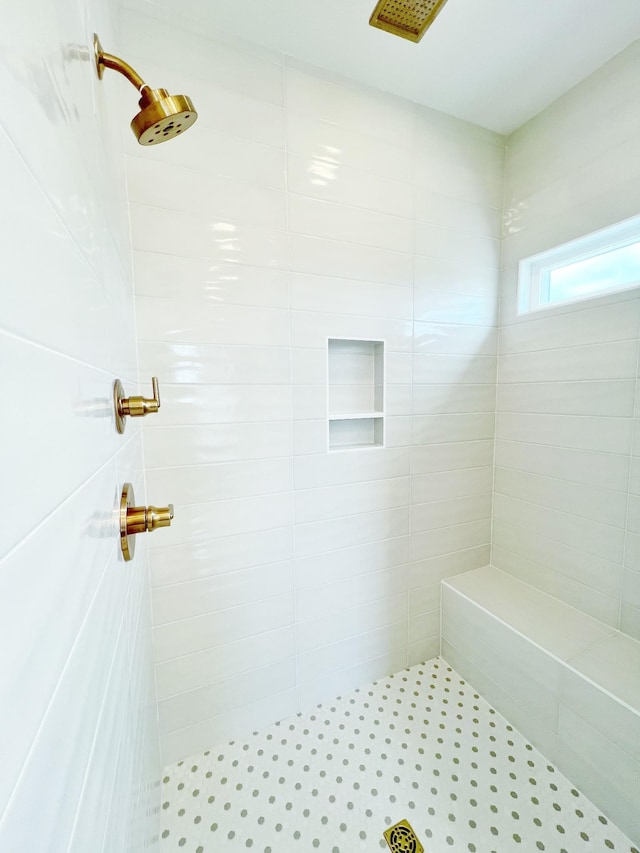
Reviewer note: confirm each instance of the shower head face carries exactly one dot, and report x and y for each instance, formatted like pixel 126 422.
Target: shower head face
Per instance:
pixel 409 19
pixel 162 116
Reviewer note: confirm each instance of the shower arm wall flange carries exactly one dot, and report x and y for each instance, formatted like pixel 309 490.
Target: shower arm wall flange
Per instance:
pixel 108 60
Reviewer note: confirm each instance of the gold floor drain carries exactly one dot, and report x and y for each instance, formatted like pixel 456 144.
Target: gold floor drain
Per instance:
pixel 402 839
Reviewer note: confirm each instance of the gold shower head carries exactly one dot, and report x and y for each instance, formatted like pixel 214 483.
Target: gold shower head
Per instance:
pixel 409 19
pixel 162 116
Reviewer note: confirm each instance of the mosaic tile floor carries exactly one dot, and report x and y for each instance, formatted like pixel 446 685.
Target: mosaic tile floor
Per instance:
pixel 420 745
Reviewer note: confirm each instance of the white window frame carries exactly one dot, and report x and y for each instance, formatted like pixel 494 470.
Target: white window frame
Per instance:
pixel 534 272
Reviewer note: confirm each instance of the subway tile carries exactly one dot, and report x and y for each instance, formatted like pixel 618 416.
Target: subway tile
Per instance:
pixel 172 564
pixel 458 537
pixel 210 364
pixel 603 505
pixel 320 689
pixel 80 414
pixel 444 513
pixel 587 363
pixel 310 329
pixel 220 591
pixel 156 230
pixel 553 579
pixel 328 295
pixel 448 212
pixel 604 470
pixel 323 600
pixel 342 563
pixel 590 536
pixel 48 561
pixel 603 435
pixel 424 627
pixel 444 485
pixel 201 483
pixel 174 321
pixel 429 458
pixel 608 775
pixel 313 472
pixel 188 636
pixel 309 402
pixel 318 537
pixel 630 620
pixel 435 241
pixel 349 499
pixel 424 599
pixel 183 674
pixel 455 338
pixel 343 148
pixel 439 305
pixel 524 672
pixel 76 327
pixel 242 71
pixel 326 660
pixel 520 716
pixel 223 727
pixel 432 570
pixel 198 522
pixel 330 221
pixel 438 429
pixel 309 437
pixel 341 624
pixel 190 405
pixel 309 366
pixel 214 199
pixel 434 368
pixel 613 665
pixel 205 444
pixel 610 398
pixel 583 327
pixel 215 154
pixel 339 259
pixel 453 398
pixel 398 431
pixel 167 276
pixel 566 560
pixel 423 651
pixel 349 106
pixel 318 176
pixel 237 691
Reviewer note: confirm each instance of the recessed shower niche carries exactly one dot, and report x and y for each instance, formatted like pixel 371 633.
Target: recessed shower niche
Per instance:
pixel 356 393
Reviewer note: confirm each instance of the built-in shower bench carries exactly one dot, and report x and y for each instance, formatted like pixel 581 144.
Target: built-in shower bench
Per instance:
pixel 569 683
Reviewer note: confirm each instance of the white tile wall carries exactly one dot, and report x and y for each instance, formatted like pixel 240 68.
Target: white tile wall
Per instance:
pixel 569 682
pixel 78 727
pixel 301 208
pixel 565 509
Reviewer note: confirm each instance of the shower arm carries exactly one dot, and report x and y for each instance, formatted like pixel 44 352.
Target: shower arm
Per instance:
pixel 108 60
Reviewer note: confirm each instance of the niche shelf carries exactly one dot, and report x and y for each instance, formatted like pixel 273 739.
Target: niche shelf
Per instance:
pixel 356 368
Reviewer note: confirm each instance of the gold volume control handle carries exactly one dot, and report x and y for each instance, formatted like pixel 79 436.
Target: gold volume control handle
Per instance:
pixel 159 517
pixel 134 407
pixel 139 519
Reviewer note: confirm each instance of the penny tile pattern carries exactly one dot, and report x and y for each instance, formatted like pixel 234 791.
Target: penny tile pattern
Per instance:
pixel 420 745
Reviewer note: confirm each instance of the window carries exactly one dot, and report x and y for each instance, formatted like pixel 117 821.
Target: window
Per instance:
pixel 604 262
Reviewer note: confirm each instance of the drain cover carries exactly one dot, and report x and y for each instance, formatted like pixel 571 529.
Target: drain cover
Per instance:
pixel 402 839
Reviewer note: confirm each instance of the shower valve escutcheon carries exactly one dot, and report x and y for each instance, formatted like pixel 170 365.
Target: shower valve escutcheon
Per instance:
pixel 139 519
pixel 134 407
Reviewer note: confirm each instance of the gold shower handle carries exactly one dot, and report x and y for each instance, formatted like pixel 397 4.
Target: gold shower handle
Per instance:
pixel 139 519
pixel 134 407
pixel 146 519
pixel 138 407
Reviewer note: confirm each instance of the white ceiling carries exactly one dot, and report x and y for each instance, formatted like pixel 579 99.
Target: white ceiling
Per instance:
pixel 492 62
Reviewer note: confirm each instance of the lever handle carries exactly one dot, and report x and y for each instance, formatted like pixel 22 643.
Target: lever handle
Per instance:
pixel 139 519
pixel 134 407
